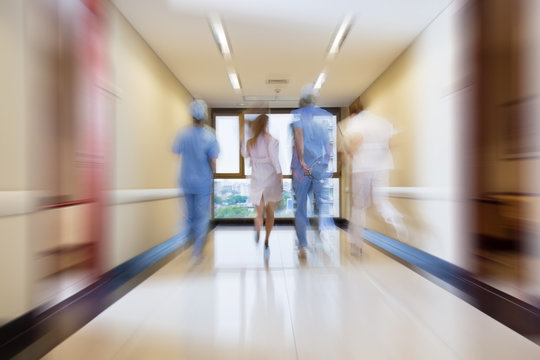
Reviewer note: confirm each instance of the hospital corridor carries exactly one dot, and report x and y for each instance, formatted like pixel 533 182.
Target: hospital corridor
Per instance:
pixel 236 305
pixel 275 179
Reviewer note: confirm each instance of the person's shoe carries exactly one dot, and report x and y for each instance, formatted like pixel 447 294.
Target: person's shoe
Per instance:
pixel 326 236
pixel 266 251
pixel 302 252
pixel 356 250
pixel 195 261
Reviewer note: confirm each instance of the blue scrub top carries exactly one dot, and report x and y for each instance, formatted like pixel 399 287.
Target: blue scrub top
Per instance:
pixel 197 146
pixel 315 123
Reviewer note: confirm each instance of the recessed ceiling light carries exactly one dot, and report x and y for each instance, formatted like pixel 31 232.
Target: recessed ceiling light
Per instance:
pixel 235 82
pixel 219 34
pixel 341 34
pixel 320 81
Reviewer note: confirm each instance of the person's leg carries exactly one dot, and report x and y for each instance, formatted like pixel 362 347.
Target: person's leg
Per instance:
pixel 321 191
pixel 258 221
pixel 202 218
pixel 269 221
pixel 361 199
pixel 182 218
pixel 388 212
pixel 189 216
pixel 301 185
pixel 356 227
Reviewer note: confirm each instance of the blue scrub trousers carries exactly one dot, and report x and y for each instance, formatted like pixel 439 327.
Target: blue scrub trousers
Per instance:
pixel 302 185
pixel 197 219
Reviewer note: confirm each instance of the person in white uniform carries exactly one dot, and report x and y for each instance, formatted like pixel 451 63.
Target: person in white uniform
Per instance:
pixel 366 138
pixel 266 186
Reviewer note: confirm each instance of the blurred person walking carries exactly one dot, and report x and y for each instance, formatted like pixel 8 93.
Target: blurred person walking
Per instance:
pixel 266 186
pixel 366 144
pixel 199 150
pixel 309 165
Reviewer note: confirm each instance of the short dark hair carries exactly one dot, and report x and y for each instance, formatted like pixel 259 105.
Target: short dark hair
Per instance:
pixel 307 100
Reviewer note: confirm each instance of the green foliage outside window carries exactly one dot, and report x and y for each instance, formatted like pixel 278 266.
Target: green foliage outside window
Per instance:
pixel 234 212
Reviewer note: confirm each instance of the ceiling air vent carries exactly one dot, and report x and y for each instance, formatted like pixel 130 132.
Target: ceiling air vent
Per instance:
pixel 277 81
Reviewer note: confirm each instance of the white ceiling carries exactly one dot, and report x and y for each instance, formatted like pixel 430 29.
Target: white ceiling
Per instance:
pixel 279 39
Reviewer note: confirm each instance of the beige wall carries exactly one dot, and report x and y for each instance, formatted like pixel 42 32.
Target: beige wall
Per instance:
pixel 151 105
pixel 513 54
pixel 12 124
pixel 509 82
pixel 531 178
pixel 148 106
pixel 14 252
pixel 423 95
pixel 28 118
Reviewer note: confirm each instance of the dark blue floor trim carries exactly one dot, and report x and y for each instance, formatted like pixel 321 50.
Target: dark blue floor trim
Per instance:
pixel 278 221
pixel 518 315
pixel 35 333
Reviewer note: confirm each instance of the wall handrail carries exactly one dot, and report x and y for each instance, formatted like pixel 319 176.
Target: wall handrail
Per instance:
pixel 64 204
pixel 23 202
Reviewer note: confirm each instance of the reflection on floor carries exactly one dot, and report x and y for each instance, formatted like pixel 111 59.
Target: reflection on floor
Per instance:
pixel 236 305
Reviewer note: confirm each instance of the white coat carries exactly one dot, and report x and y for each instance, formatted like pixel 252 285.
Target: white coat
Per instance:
pixel 265 169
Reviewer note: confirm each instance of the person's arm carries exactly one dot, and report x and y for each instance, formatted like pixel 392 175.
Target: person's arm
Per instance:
pixel 343 140
pixel 394 140
pixel 243 150
pixel 177 145
pixel 327 147
pixel 273 152
pixel 243 145
pixel 354 143
pixel 392 143
pixel 299 144
pixel 213 155
pixel 274 158
pixel 345 157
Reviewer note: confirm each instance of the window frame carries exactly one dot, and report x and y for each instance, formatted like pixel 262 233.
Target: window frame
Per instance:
pixel 241 173
pixel 336 111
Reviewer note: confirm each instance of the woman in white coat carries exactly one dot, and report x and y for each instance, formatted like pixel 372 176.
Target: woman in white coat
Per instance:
pixel 266 186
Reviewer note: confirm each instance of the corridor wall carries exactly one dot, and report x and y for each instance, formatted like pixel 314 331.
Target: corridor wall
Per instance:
pixel 41 123
pixel 424 93
pixel 151 105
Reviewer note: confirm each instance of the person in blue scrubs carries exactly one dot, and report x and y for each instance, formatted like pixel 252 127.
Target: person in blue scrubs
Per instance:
pixel 198 148
pixel 311 156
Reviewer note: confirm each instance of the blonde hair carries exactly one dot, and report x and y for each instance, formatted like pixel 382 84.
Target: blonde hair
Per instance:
pixel 258 126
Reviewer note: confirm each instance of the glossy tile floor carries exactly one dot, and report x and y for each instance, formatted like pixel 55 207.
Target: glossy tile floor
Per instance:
pixel 236 305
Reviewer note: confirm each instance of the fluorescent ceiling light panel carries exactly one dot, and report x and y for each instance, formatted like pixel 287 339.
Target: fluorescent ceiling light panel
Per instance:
pixel 233 78
pixel 320 81
pixel 219 35
pixel 341 35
